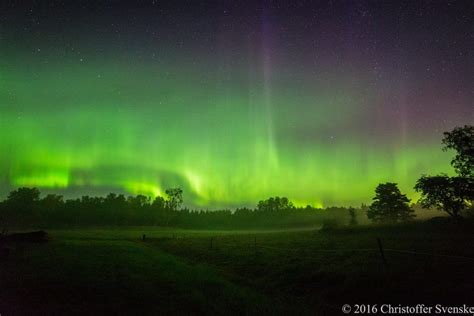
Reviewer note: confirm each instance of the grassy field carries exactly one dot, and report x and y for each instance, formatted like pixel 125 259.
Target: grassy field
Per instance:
pixel 97 271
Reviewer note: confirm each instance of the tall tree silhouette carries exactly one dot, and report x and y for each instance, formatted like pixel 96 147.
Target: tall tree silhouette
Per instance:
pixel 461 139
pixel 452 194
pixel 389 205
pixel 175 198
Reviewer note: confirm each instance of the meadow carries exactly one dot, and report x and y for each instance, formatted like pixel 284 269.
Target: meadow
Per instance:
pixel 308 271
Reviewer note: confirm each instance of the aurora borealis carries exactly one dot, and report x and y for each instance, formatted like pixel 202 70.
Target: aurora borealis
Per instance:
pixel 233 102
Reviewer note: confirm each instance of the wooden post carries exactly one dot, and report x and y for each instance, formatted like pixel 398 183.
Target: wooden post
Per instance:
pixel 381 252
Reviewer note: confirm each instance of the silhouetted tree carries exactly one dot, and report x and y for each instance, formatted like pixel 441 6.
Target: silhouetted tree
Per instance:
pixel 450 194
pixel 389 205
pixel 159 203
pixel 23 197
pixel 175 198
pixel 52 201
pixel 158 207
pixel 172 205
pixel 21 204
pixel 461 139
pixel 50 208
pixel 352 215
pixel 139 209
pixel 115 206
pixel 138 201
pixel 275 204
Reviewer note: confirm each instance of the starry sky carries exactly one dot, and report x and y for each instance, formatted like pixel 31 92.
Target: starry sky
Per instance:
pixel 233 101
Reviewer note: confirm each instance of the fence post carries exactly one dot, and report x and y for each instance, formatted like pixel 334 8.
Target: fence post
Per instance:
pixel 379 242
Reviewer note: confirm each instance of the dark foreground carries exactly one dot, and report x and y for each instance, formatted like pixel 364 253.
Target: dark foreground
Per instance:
pixel 237 272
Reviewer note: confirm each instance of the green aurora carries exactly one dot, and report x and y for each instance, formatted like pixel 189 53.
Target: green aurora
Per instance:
pixel 233 102
pixel 227 138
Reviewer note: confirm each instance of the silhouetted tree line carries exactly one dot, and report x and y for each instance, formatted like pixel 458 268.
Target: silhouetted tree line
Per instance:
pixel 25 207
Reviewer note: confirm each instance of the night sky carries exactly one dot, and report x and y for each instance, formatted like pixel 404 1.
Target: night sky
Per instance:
pixel 232 101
